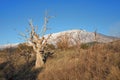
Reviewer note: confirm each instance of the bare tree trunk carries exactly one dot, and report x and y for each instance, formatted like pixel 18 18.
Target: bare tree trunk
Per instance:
pixel 39 62
pixel 38 43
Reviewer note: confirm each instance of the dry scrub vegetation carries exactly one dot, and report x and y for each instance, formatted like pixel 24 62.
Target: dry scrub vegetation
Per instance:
pixel 91 61
pixel 98 62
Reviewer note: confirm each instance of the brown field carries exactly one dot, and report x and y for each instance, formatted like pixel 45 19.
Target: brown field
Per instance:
pixel 95 61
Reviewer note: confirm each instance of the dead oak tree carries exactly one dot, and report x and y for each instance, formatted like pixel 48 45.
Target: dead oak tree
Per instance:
pixel 38 42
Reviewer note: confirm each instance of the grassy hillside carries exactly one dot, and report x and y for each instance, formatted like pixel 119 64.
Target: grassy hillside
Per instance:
pixel 91 61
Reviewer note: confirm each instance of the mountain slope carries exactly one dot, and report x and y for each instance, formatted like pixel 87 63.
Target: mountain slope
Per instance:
pixel 82 35
pixel 8 46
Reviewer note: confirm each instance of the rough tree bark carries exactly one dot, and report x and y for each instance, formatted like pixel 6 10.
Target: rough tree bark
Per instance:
pixel 39 61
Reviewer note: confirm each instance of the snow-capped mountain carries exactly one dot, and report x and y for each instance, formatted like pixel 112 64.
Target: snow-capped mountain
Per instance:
pixel 82 35
pixel 78 35
pixel 8 46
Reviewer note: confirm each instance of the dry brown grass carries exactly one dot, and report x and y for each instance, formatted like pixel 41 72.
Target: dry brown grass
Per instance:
pixel 15 63
pixel 97 62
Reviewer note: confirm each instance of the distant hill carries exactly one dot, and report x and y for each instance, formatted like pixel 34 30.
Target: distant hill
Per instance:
pixel 8 46
pixel 81 35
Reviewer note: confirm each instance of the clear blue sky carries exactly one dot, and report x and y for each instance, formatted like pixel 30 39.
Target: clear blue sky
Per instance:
pixel 103 15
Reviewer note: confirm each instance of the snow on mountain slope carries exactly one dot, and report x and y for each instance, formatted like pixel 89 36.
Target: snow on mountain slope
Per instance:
pixel 81 35
pixel 8 46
